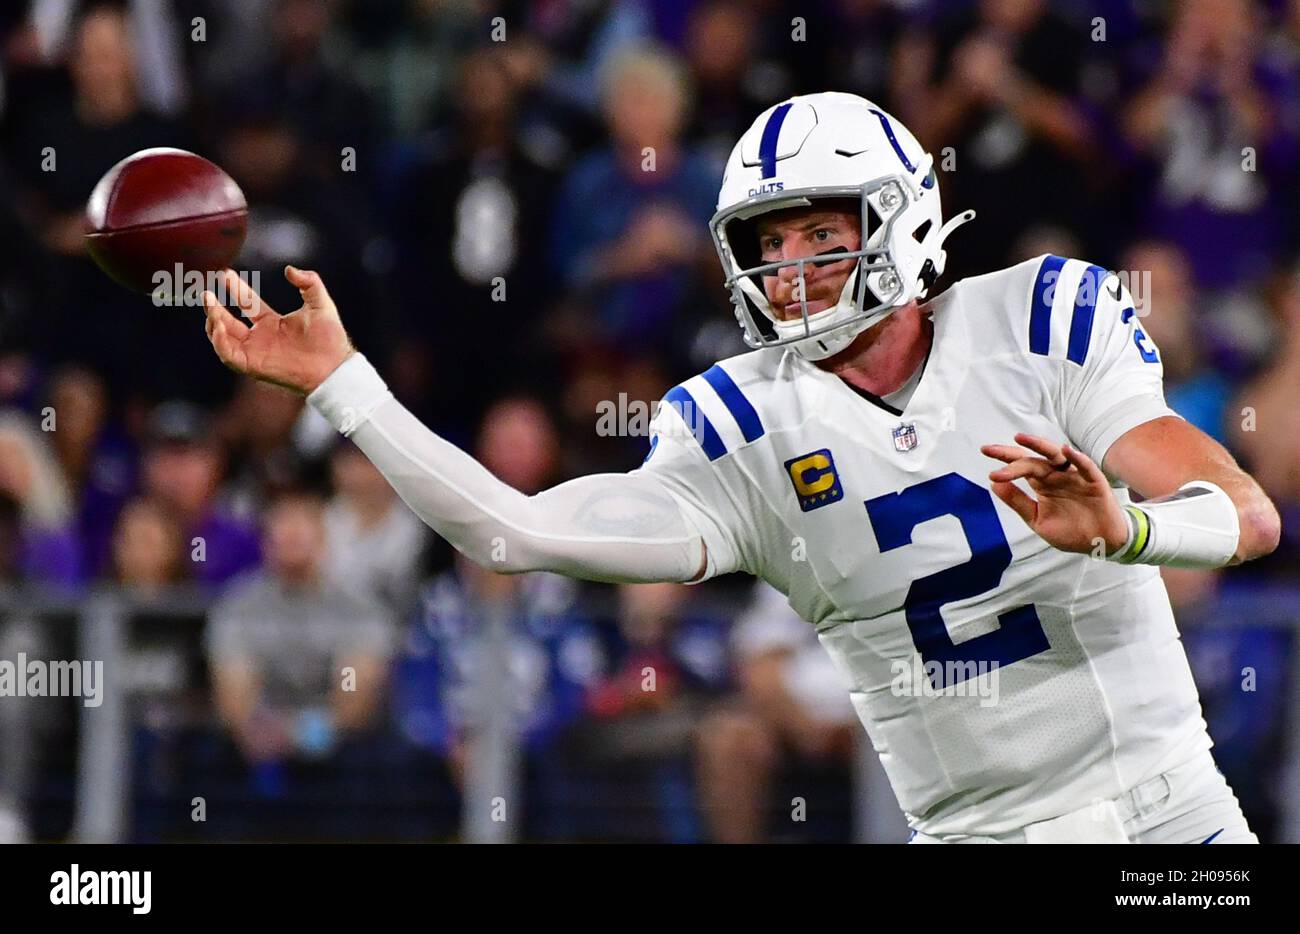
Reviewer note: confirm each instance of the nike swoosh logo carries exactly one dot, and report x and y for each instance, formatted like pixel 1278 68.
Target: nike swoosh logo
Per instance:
pixel 1210 838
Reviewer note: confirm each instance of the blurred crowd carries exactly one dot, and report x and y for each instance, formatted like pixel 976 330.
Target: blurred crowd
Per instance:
pixel 508 202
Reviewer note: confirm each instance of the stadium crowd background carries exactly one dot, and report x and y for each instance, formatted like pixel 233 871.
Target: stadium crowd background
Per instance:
pixel 482 213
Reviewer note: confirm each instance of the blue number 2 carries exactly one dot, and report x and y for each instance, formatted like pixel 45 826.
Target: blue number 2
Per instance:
pixel 894 516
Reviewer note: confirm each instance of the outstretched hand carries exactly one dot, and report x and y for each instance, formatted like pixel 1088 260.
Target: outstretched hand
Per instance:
pixel 1075 507
pixel 297 350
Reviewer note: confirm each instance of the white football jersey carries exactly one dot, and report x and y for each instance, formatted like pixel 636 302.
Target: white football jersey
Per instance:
pixel 1001 681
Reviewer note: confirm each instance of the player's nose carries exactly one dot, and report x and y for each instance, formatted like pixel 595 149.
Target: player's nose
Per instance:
pixel 791 273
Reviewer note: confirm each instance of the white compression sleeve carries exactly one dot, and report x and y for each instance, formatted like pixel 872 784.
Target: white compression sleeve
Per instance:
pixel 1196 527
pixel 623 528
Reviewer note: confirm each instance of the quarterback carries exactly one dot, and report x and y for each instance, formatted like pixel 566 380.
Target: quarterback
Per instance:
pixel 940 488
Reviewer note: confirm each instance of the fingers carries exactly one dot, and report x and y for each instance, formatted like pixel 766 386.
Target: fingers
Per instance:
pixel 1007 453
pixel 1018 460
pixel 1024 504
pixel 1034 468
pixel 1047 449
pixel 219 318
pixel 1058 457
pixel 249 302
pixel 1087 466
pixel 1053 460
pixel 309 284
pixel 225 331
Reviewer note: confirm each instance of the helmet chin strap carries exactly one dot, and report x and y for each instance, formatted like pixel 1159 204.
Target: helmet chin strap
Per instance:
pixel 826 345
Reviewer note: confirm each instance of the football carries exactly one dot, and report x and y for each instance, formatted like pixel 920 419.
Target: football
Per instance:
pixel 162 214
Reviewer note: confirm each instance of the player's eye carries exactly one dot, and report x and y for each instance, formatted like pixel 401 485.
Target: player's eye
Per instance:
pixel 822 234
pixel 770 244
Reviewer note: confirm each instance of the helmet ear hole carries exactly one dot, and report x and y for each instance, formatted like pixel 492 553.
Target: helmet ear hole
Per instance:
pixel 874 223
pixel 920 232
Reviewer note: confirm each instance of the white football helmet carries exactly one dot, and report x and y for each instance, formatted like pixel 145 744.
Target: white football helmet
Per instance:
pixel 831 145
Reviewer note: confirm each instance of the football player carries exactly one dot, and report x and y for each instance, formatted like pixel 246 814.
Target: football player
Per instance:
pixel 941 489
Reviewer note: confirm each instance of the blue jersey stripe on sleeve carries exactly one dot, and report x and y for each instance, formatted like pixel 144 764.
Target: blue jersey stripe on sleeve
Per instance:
pixel 681 399
pixel 1085 306
pixel 1040 308
pixel 739 407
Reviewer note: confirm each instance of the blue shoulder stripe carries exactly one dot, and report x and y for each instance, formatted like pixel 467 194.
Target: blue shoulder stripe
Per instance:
pixel 750 424
pixel 1040 308
pixel 681 399
pixel 1085 306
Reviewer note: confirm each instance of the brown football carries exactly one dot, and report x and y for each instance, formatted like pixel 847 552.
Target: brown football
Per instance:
pixel 163 210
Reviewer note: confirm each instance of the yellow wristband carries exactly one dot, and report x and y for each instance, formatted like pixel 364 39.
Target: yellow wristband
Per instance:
pixel 1140 525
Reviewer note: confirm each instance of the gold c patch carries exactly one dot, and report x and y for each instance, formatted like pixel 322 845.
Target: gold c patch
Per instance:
pixel 815 481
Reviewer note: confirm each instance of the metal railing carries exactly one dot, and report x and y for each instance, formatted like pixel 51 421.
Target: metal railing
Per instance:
pixel 102 796
pixel 103 782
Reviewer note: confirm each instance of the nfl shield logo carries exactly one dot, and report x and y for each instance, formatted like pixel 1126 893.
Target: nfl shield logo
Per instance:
pixel 905 437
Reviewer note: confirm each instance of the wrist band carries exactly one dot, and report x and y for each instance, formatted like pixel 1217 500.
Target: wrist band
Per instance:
pixel 1139 536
